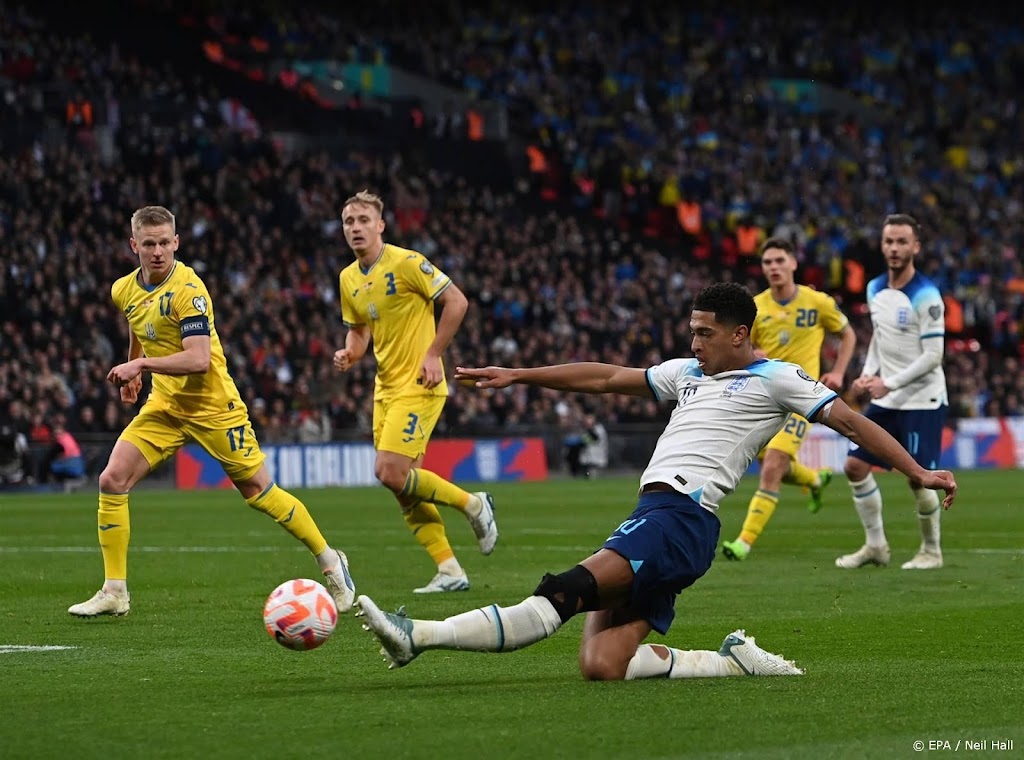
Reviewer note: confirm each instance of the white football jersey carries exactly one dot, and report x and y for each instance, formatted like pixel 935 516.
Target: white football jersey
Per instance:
pixel 722 421
pixel 902 318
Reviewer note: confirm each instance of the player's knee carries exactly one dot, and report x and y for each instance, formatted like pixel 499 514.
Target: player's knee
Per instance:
pixel 570 592
pixel 856 469
pixel 112 480
pixel 602 663
pixel 391 475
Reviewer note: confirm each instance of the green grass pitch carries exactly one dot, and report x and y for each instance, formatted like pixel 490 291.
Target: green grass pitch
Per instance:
pixel 892 656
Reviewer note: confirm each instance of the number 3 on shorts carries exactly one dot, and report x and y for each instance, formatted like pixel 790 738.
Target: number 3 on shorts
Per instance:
pixel 410 430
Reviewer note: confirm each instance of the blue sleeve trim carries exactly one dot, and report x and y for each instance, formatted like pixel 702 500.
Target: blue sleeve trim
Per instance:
pixel 813 413
pixel 934 335
pixel 647 377
pixel 192 326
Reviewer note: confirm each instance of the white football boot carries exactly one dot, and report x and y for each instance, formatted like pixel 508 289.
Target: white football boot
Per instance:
pixel 865 555
pixel 925 559
pixel 443 582
pixel 484 525
pixel 340 584
pixel 753 660
pixel 102 603
pixel 393 631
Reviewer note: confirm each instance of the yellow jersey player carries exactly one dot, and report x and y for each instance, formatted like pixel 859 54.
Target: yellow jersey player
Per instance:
pixel 173 336
pixel 791 324
pixel 388 295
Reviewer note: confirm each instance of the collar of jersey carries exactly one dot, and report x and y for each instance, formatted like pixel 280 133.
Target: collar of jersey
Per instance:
pixel 788 300
pixel 376 261
pixel 151 288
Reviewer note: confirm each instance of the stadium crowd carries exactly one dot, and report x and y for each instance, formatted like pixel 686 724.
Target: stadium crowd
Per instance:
pixel 650 177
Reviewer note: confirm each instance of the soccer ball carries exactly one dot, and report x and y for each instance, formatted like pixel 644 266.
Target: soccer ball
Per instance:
pixel 300 614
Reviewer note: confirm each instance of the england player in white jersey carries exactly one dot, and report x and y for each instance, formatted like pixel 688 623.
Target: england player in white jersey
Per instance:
pixel 903 376
pixel 728 404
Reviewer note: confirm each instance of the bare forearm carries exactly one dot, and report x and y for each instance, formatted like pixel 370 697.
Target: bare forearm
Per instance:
pixel 582 377
pixel 177 365
pixel 865 433
pixel 357 342
pixel 451 317
pixel 134 347
pixel 847 344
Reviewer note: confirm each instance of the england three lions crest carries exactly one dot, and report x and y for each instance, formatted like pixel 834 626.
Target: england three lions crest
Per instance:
pixel 735 386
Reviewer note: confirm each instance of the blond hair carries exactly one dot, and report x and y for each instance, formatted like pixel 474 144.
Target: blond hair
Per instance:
pixel 366 198
pixel 151 216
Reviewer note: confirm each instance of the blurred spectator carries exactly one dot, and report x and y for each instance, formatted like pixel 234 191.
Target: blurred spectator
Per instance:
pixel 13 450
pixel 66 463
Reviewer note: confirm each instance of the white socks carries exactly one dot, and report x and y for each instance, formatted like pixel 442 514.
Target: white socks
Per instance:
pixel 490 629
pixel 928 513
pixel 679 663
pixel 451 566
pixel 117 588
pixel 474 506
pixel 868 501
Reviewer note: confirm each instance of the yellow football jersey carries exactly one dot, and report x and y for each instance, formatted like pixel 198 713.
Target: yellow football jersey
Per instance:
pixel 160 316
pixel 794 331
pixel 395 297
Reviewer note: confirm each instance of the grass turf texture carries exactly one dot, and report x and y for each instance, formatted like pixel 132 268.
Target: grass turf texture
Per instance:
pixel 892 656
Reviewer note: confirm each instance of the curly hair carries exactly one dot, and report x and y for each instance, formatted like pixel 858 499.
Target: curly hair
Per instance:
pixel 730 302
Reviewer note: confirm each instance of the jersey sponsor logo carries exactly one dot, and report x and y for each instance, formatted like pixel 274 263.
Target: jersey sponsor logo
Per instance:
pixel 426 268
pixel 150 331
pixel 191 285
pixel 129 310
pixel 372 311
pixel 934 311
pixel 355 292
pixel 200 303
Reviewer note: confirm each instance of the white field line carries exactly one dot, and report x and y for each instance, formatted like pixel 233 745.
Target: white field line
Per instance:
pixel 355 547
pixel 18 648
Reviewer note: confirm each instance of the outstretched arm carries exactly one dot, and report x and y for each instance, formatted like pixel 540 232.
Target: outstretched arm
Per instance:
pixel 862 431
pixel 582 377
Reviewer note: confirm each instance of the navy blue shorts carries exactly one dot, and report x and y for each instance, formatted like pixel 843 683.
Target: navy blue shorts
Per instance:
pixel 918 430
pixel 670 541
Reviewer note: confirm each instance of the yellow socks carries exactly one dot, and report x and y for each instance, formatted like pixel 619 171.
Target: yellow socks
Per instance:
pixel 426 525
pixel 759 512
pixel 114 530
pixel 431 487
pixel 801 475
pixel 291 514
